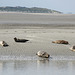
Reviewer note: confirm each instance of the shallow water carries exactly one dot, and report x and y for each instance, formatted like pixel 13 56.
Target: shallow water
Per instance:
pixel 37 67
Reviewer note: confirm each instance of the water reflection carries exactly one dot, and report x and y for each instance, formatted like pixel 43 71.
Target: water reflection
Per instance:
pixel 37 67
pixel 42 63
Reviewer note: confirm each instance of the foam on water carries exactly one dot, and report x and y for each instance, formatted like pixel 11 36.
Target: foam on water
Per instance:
pixel 63 58
pixel 36 58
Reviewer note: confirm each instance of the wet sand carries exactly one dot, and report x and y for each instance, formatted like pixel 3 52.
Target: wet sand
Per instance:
pixel 40 30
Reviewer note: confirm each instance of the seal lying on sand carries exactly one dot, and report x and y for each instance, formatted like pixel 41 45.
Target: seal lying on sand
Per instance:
pixel 3 43
pixel 20 40
pixel 60 42
pixel 73 48
pixel 43 54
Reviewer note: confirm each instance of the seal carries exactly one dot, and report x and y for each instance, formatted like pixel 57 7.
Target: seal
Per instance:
pixel 60 42
pixel 20 40
pixel 3 43
pixel 73 48
pixel 43 54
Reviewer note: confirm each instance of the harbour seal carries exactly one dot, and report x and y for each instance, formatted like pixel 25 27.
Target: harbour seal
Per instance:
pixel 43 54
pixel 3 43
pixel 20 40
pixel 73 48
pixel 60 42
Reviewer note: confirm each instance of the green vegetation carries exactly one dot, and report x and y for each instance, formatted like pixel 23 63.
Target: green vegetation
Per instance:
pixel 28 10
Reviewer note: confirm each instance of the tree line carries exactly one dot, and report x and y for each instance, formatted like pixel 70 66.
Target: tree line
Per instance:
pixel 29 10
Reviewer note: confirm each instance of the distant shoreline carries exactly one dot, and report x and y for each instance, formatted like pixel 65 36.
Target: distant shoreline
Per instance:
pixel 35 13
pixel 32 13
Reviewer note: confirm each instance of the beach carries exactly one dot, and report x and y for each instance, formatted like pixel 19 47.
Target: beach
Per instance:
pixel 40 33
pixel 40 30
